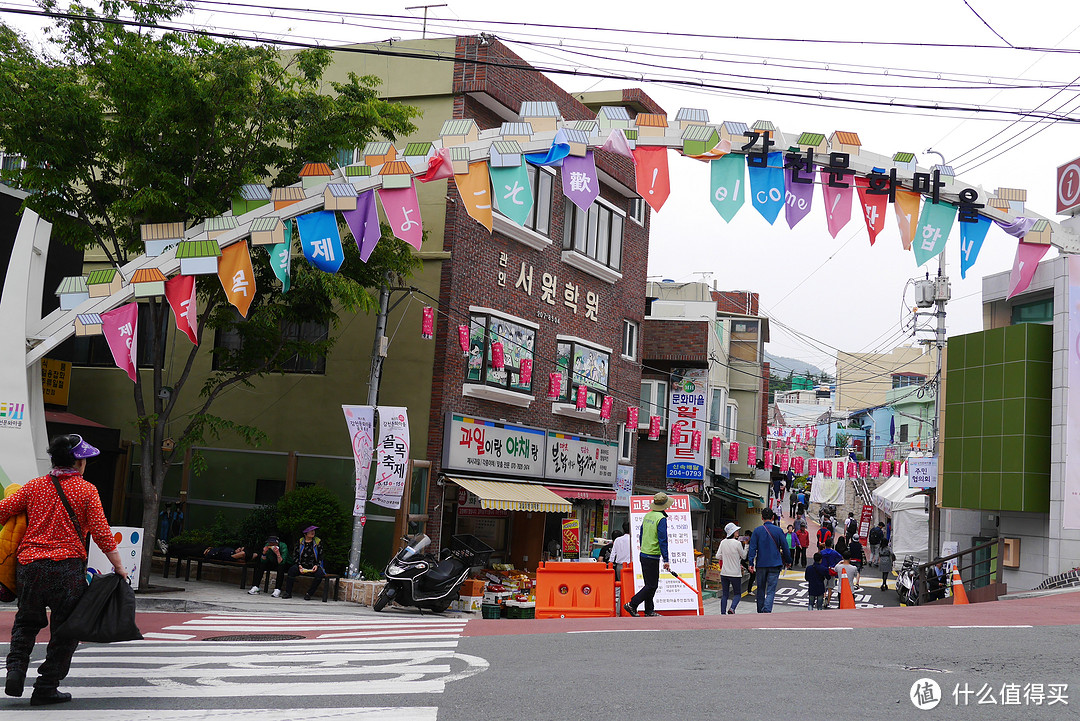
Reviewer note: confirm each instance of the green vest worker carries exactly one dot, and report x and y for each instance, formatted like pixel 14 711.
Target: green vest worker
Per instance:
pixel 653 549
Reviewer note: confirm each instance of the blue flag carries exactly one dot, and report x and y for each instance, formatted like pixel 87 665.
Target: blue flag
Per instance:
pixel 767 187
pixel 559 149
pixel 972 236
pixel 320 239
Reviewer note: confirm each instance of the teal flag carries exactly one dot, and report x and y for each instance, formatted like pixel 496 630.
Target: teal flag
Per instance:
pixel 727 189
pixel 935 224
pixel 513 192
pixel 972 236
pixel 281 258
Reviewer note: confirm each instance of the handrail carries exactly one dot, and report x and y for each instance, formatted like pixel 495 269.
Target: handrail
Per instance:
pixel 996 545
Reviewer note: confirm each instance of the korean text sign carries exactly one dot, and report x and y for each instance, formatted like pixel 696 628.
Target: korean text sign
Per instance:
pixel 392 457
pixel 688 413
pixel 580 458
pixel 477 444
pixel 671 595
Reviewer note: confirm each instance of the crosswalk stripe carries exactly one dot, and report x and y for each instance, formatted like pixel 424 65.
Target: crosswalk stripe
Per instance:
pixel 329 622
pixel 360 713
pixel 230 647
pixel 177 636
pixel 305 627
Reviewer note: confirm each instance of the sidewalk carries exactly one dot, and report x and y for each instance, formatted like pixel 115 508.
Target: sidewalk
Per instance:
pixel 179 596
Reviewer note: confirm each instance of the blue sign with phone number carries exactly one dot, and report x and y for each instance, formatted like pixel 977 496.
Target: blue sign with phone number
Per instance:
pixel 686 471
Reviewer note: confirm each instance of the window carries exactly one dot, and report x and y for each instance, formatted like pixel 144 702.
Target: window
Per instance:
pixel 744 340
pixel 596 234
pixel 93 351
pixel 903 380
pixel 344 156
pixel 517 340
pixel 542 183
pixel 654 402
pixel 731 423
pixel 1041 311
pixel 716 409
pixel 637 210
pixel 268 491
pixel 591 368
pixel 629 339
pixel 230 339
pixel 903 432
pixel 626 442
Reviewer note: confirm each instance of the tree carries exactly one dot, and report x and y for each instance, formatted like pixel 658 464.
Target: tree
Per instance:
pixel 121 124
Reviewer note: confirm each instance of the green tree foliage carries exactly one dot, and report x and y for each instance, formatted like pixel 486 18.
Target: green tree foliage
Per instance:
pixel 317 506
pixel 122 124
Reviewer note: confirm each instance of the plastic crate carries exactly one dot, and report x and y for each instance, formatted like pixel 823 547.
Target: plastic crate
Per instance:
pixel 491 610
pixel 520 612
pixel 470 550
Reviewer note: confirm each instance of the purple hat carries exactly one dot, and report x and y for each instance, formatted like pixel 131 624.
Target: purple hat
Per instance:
pixel 84 449
pixel 309 529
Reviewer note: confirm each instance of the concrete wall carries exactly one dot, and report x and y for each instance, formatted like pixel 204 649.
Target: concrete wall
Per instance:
pixel 862 379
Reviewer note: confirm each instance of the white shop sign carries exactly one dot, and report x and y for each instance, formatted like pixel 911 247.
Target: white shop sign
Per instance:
pixel 580 458
pixel 481 445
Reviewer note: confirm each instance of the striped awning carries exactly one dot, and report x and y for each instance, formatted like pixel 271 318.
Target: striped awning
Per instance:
pixel 502 496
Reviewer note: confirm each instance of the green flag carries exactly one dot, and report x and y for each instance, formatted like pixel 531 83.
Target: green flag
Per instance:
pixel 935 224
pixel 727 189
pixel 281 258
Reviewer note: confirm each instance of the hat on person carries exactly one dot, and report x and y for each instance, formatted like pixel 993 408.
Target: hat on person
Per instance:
pixel 271 541
pixel 730 529
pixel 661 502
pixel 310 529
pixel 83 449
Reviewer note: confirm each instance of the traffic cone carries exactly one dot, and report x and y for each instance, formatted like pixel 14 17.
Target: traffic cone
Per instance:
pixel 847 598
pixel 959 595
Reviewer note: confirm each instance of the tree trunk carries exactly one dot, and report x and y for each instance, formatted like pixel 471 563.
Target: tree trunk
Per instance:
pixel 152 481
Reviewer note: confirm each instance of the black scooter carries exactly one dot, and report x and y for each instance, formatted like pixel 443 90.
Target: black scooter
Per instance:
pixel 429 581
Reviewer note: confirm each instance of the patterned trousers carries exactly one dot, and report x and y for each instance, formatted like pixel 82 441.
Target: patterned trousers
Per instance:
pixel 58 585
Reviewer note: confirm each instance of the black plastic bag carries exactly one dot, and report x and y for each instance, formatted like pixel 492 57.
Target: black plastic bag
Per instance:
pixel 106 613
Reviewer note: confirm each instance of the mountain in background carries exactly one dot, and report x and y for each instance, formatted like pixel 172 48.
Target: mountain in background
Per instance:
pixel 780 365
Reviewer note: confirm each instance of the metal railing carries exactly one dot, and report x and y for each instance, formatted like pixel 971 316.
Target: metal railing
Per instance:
pixel 979 566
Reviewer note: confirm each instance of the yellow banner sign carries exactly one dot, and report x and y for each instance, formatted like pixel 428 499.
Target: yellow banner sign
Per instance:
pixel 55 378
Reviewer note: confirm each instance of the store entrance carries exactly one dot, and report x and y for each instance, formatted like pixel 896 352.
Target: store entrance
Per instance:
pixel 527 539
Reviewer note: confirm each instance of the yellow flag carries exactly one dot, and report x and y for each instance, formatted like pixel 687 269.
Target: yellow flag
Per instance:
pixel 475 190
pixel 237 277
pixel 906 208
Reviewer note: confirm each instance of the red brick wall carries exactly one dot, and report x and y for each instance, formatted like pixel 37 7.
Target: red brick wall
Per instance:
pixel 676 341
pixel 736 302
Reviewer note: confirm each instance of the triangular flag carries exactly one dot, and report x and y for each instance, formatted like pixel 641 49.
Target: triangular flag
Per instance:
pixel 439 167
pixel 236 276
pixel 475 190
pixel 906 209
pixel 121 329
pixel 837 204
pixel 653 181
pixel 402 211
pixel 767 187
pixel 364 223
pixel 799 198
pixel 180 292
pixel 281 259
pixel 579 180
pixel 972 236
pixel 935 224
pixel 1025 264
pixel 727 184
pixel 873 207
pixel 321 240
pixel 617 143
pixel 513 192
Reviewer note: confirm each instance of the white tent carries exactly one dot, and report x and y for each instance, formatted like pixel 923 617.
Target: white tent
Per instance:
pixel 910 520
pixel 880 496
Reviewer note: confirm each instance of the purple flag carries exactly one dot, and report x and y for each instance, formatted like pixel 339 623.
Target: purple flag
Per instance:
pixel 364 224
pixel 579 182
pixel 798 199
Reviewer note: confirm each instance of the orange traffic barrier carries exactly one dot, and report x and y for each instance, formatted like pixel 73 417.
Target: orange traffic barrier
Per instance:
pixel 575 590
pixel 847 598
pixel 959 594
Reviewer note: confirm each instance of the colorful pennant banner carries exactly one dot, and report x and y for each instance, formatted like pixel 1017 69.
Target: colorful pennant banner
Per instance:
pixel 727 185
pixel 320 239
pixel 402 211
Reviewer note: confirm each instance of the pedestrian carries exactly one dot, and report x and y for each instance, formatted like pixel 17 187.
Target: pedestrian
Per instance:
pixel 750 575
pixel 851 526
pixel 800 520
pixel 791 541
pixel 817 575
pixel 874 539
pixel 855 553
pixel 804 542
pixel 732 553
pixel 885 562
pixel 852 573
pixel 654 549
pixel 309 562
pixel 841 545
pixel 620 550
pixel 824 536
pixel 273 557
pixel 767 555
pixel 935 581
pixel 831 558
pixel 52 563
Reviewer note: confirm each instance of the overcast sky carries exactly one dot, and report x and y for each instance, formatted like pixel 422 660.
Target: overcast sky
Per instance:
pixel 821 293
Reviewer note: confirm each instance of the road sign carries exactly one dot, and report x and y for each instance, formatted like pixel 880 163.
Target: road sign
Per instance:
pixel 1068 188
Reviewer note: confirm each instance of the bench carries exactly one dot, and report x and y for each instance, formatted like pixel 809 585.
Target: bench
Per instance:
pixel 325 586
pixel 185 561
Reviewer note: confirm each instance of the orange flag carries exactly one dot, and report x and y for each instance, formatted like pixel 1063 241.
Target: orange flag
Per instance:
pixel 475 190
pixel 906 208
pixel 237 276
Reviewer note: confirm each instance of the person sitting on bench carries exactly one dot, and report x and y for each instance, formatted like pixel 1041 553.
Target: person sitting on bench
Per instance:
pixel 309 562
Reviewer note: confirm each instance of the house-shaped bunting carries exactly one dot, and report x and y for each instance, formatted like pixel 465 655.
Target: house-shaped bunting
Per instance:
pixel 589 127
pixel 159 237
pixel 578 141
pixel 199 257
pixel 945 173
pixel 905 161
pixel 651 125
pixel 1040 232
pixel 610 117
pixel 339 196
pixel 268 230
pixel 417 156
pixel 219 224
pixel 699 139
pixel 357 171
pixel 544 115
pixel 313 174
pixel 284 197
pixel 249 198
pixel 72 292
pixel 379 152
pixel 518 132
pixel 459 159
pixel 148 282
pixel 504 154
pixel 631 137
pixel 734 132
pixel 396 174
pixel 813 141
pixel 843 141
pixel 998 204
pixel 1016 197
pixel 687 117
pixel 459 132
pixel 103 283
pixel 87 324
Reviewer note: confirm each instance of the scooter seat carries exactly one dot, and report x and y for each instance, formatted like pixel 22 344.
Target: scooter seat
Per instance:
pixel 446 570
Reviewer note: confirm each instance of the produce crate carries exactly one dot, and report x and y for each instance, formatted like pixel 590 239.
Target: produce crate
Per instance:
pixel 491 610
pixel 520 612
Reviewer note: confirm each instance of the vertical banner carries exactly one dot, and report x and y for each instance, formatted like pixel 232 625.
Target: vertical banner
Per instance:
pixel 653 181
pixel 837 204
pixel 972 236
pixel 671 595
pixel 361 423
pixel 751 456
pixel 120 328
pixel 906 209
pixel 767 187
pixel 579 180
pixel 475 190
pixel 624 485
pixel 865 519
pixel 798 198
pixel 402 211
pixel 281 258
pixel 320 239
pixel 363 223
pixel 687 414
pixel 392 454
pixel 236 276
pixel 571 537
pixel 180 292
pixel 727 184
pixel 873 207
pixel 1025 264
pixel 1070 514
pixel 935 224
pixel 513 192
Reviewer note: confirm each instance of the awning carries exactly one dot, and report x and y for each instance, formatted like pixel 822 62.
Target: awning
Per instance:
pixel 502 496
pixel 696 504
pixel 736 496
pixel 592 494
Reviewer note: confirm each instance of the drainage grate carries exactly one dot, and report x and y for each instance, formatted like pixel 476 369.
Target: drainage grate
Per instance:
pixel 257 637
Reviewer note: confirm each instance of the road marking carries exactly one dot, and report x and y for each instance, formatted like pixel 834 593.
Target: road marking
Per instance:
pixel 1017 626
pixel 804 628
pixel 177 636
pixel 621 630
pixel 363 713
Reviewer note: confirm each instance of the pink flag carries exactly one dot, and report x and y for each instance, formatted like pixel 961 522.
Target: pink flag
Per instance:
pixel 402 211
pixel 438 167
pixel 733 451
pixel 1025 264
pixel 617 143
pixel 813 467
pixel 631 416
pixel 180 291
pixel 751 456
pixel 121 327
pixel 837 204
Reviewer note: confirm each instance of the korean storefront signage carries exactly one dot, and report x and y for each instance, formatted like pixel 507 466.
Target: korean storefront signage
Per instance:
pixel 922 472
pixel 55 377
pixel 554 295
pixel 624 485
pixel 580 458
pixel 687 413
pixel 480 445
pixel 671 594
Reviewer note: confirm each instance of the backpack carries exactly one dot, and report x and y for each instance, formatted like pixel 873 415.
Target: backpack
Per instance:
pixel 875 536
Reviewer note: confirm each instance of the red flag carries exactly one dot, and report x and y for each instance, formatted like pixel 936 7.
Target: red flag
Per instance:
pixel 733 451
pixel 180 292
pixel 812 470
pixel 438 167
pixel 715 446
pixel 631 416
pixel 751 456
pixel 120 328
pixel 554 386
pixel 605 407
pixel 525 371
pixel 653 181
pixel 873 207
pixel 463 339
pixel 654 428
pixel 427 325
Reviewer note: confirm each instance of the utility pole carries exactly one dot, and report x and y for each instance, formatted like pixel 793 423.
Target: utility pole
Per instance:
pixel 423 32
pixel 942 293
